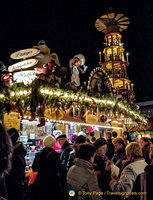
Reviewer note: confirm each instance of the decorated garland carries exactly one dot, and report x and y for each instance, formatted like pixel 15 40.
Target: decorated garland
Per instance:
pixel 39 94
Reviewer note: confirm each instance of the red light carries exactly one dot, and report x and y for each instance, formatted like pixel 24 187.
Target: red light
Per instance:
pixel 49 64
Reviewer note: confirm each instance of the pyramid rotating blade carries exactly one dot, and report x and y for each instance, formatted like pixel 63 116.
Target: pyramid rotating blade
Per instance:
pixel 111 15
pixel 104 17
pixel 118 16
pixel 128 22
pixel 123 27
pixel 123 19
pixel 100 25
pixel 105 21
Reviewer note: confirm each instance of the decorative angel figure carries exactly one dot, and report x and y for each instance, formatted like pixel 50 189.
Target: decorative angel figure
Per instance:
pixel 77 66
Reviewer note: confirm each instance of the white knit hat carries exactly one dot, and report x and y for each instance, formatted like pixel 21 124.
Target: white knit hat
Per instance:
pixel 49 141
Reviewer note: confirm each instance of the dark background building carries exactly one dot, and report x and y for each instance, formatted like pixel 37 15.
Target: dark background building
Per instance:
pixel 68 29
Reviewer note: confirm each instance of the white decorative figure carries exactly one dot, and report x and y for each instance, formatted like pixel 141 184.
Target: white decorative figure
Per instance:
pixel 77 66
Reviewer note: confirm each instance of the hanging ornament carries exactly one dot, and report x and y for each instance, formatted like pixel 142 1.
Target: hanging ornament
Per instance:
pixel 33 117
pixel 103 118
pixel 42 122
pixel 90 129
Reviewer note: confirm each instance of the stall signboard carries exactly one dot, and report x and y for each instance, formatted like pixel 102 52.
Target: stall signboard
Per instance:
pixel 92 119
pixel 23 65
pixel 25 53
pixel 12 120
pixel 61 127
pixel 53 114
pixel 25 76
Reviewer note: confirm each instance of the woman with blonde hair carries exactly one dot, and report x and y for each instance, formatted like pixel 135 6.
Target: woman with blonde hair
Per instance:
pixel 131 171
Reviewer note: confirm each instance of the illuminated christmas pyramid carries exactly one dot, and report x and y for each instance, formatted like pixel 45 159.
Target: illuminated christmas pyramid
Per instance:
pixel 115 65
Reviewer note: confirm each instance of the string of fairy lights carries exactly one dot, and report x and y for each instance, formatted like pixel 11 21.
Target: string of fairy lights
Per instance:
pixel 79 97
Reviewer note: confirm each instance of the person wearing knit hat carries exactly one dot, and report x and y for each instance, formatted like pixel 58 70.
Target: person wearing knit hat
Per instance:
pixel 100 161
pixel 48 167
pixel 58 136
pixel 49 141
pixel 99 143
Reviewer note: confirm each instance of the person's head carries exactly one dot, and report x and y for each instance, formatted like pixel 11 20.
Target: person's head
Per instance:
pixel 49 141
pixel 133 151
pixel 86 152
pixel 79 140
pixel 118 143
pixel 114 134
pixel 61 139
pixel 126 135
pixel 100 146
pixel 14 135
pixel 144 141
pixel 108 135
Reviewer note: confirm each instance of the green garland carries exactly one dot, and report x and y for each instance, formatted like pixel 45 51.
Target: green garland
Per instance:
pixel 61 99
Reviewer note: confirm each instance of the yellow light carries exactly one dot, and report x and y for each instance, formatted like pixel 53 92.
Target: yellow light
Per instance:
pixel 25 92
pixel 46 91
pixel 65 95
pixel 21 92
pixel 12 94
pixel 42 91
pixel 51 92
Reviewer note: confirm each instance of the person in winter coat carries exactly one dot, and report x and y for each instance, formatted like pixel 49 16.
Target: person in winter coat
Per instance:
pixel 110 146
pixel 119 154
pixel 100 164
pixel 6 151
pixel 15 180
pixel 65 149
pixel 78 140
pixel 81 177
pixel 130 172
pixel 126 137
pixel 145 145
pixel 47 163
pixel 149 175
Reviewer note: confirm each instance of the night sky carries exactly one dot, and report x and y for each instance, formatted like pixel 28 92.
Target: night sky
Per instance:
pixel 68 28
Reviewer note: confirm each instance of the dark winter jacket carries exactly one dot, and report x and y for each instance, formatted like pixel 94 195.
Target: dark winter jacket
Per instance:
pixel 6 151
pixel 72 156
pixel 15 180
pixel 103 176
pixel 110 149
pixel 64 153
pixel 48 180
pixel 145 152
pixel 118 157
pixel 149 179
pixel 81 177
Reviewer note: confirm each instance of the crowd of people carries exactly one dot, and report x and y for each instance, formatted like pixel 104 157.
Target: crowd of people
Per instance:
pixel 109 168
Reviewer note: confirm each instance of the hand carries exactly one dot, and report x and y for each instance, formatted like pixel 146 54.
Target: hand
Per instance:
pixel 97 172
pixel 85 68
pixel 124 162
pixel 108 165
pixel 114 178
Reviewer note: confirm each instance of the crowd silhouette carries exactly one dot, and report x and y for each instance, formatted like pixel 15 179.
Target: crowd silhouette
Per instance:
pixel 109 168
